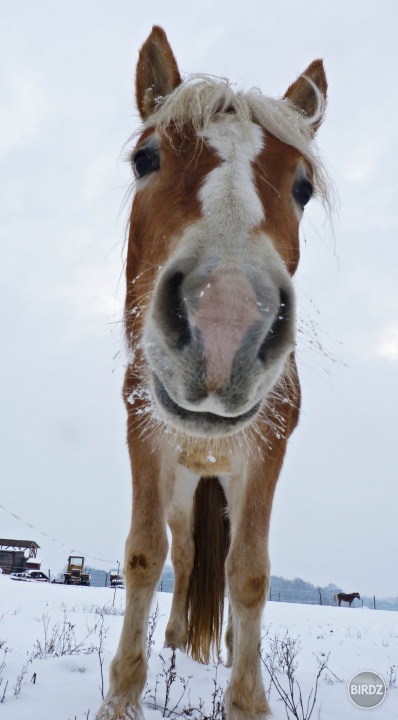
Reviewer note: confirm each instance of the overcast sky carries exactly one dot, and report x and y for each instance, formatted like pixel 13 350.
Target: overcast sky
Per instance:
pixel 66 112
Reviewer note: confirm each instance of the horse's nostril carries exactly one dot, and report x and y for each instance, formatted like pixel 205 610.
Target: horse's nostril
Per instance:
pixel 278 328
pixel 174 311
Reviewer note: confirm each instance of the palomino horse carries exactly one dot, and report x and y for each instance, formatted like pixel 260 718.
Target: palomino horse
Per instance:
pixel 346 597
pixel 211 388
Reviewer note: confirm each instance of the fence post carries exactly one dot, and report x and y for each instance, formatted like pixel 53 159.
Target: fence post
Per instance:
pixel 374 602
pixel 270 592
pixel 320 596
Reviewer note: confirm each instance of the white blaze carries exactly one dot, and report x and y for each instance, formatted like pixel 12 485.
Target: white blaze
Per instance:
pixel 229 197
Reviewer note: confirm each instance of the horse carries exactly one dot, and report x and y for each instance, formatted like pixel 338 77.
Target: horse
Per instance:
pixel 345 597
pixel 211 389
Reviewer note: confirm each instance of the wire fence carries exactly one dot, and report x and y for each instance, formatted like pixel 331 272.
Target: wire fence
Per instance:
pixel 320 596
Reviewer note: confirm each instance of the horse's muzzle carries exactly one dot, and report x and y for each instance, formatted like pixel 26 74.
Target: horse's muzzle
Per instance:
pixel 217 347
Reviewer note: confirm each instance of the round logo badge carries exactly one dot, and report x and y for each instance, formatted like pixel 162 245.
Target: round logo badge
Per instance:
pixel 367 689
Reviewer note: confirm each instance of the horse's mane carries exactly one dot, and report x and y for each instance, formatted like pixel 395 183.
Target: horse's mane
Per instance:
pixel 200 99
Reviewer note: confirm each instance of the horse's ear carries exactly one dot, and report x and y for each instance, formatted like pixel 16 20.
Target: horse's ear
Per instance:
pixel 157 72
pixel 309 92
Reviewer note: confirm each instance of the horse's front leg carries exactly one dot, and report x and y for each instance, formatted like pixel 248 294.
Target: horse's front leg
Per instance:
pixel 146 550
pixel 248 580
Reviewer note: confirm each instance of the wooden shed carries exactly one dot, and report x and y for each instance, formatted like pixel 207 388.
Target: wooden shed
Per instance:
pixel 14 554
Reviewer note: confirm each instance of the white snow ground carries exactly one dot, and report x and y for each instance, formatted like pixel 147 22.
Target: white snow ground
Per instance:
pixel 67 687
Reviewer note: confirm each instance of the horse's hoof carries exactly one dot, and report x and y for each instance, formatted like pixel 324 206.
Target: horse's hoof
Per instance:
pixel 236 710
pixel 175 646
pixel 175 641
pixel 230 659
pixel 114 708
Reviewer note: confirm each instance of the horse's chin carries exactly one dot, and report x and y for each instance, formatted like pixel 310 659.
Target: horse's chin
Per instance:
pixel 199 423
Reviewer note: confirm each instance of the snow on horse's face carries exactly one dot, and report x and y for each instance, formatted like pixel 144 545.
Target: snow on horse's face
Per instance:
pixel 215 223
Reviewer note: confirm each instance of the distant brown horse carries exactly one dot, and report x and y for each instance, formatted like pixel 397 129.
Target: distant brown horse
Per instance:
pixel 346 597
pixel 211 388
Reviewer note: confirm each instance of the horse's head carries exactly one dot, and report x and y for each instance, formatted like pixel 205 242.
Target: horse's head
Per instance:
pixel 222 179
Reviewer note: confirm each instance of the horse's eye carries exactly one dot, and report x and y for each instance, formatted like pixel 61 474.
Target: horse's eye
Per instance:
pixel 302 192
pixel 146 161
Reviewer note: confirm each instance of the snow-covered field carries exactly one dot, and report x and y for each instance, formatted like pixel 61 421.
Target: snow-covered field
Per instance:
pixel 53 637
